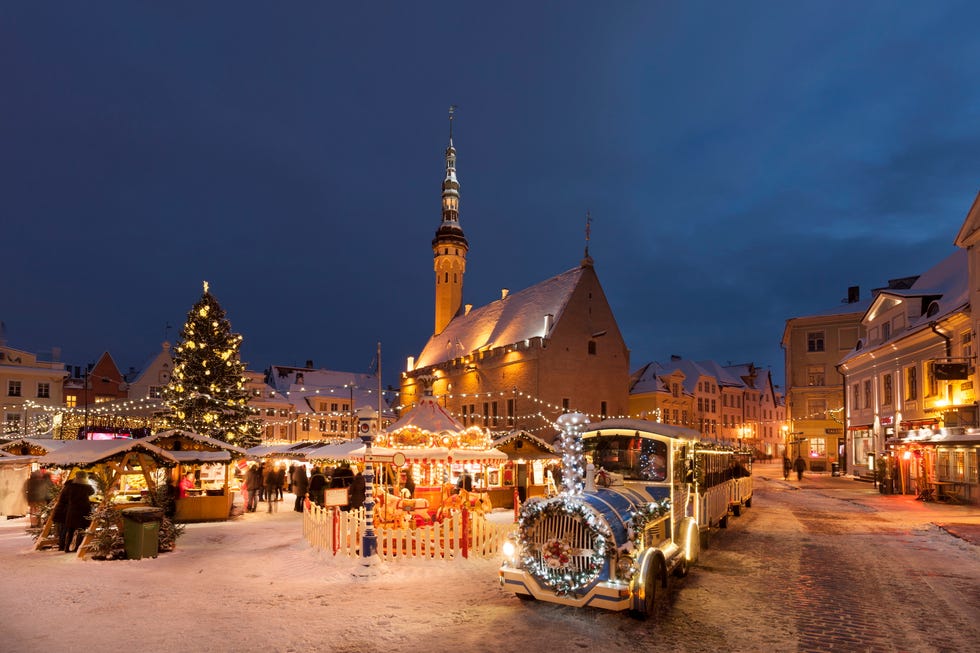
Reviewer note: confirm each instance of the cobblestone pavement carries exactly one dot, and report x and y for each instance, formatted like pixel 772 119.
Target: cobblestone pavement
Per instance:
pixel 835 566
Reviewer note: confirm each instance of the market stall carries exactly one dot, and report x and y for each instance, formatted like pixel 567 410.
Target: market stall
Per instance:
pixel 209 489
pixel 533 467
pixel 14 472
pixel 116 464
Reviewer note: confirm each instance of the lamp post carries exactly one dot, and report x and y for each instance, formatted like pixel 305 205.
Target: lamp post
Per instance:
pixel 369 541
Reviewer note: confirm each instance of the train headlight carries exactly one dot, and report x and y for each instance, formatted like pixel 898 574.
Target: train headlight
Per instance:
pixel 509 549
pixel 624 566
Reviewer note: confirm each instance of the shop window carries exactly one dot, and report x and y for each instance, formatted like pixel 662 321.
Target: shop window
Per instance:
pixel 818 447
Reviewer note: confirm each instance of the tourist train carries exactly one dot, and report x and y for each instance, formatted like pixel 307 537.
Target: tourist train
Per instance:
pixel 637 499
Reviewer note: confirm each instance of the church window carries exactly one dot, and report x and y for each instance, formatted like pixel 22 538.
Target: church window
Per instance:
pixel 564 404
pixel 454 278
pixel 447 277
pixel 602 409
pixel 485 413
pixel 592 345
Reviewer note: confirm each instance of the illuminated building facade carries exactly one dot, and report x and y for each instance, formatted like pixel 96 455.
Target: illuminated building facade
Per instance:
pixel 25 381
pixel 521 361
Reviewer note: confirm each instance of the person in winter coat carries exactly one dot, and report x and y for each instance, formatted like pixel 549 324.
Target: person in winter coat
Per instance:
pixel 787 468
pixel 271 480
pixel 318 483
pixel 253 483
pixel 40 489
pixel 281 480
pixel 301 484
pixel 799 466
pixel 77 510
pixel 357 492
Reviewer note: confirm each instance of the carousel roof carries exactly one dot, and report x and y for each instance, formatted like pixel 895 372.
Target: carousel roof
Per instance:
pixel 429 416
pixel 93 452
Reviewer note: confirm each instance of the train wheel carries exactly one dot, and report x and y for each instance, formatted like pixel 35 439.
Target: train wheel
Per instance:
pixel 737 510
pixel 650 583
pixel 723 522
pixel 748 502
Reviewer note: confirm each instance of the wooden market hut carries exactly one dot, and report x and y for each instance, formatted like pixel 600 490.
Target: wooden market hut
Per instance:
pixel 526 451
pixel 210 460
pixel 115 461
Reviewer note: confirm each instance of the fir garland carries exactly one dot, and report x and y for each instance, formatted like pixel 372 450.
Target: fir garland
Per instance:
pixel 540 564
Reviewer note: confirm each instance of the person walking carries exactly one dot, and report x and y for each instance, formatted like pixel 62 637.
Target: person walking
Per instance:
pixel 318 483
pixel 253 483
pixel 301 484
pixel 787 467
pixel 271 480
pixel 280 480
pixel 77 511
pixel 358 489
pixel 799 465
pixel 40 489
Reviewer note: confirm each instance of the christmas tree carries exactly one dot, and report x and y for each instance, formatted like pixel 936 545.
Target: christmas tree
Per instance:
pixel 207 392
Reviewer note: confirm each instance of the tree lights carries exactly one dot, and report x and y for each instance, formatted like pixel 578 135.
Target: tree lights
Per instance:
pixel 207 391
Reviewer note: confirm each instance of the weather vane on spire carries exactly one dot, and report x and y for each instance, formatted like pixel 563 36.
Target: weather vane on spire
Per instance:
pixel 588 234
pixel 452 110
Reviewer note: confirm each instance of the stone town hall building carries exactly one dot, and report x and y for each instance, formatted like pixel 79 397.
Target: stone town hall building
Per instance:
pixel 519 362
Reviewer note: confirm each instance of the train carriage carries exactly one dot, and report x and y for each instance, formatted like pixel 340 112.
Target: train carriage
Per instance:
pixel 636 498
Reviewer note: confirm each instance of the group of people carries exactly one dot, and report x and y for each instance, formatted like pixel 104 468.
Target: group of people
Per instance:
pixel 799 465
pixel 265 482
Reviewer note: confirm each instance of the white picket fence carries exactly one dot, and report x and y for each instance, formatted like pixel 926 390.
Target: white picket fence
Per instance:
pixel 341 533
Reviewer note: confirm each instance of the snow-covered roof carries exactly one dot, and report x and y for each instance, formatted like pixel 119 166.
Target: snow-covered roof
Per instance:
pixel 201 456
pixel 428 416
pixel 40 443
pixel 284 377
pixel 521 444
pixel 946 284
pixel 197 437
pixel 519 316
pixel 668 430
pixel 92 452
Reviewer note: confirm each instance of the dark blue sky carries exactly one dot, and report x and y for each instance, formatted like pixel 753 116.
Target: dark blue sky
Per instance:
pixel 743 163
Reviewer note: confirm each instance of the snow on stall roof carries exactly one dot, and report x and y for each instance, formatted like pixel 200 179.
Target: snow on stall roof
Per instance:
pixel 197 437
pixel 201 456
pixel 43 443
pixel 520 316
pixel 429 416
pixel 668 430
pixel 91 452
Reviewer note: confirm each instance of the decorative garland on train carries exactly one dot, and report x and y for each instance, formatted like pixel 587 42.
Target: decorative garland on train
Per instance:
pixel 552 568
pixel 642 516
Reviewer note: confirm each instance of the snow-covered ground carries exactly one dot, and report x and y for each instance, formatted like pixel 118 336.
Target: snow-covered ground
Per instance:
pixel 253 584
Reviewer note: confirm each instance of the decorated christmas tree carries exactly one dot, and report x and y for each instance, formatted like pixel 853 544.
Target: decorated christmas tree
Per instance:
pixel 207 392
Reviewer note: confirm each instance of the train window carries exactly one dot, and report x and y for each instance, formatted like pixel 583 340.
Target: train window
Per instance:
pixel 637 459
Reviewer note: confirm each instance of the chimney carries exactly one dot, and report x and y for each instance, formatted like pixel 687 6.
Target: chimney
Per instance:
pixel 504 292
pixel 309 365
pixel 410 364
pixel 853 294
pixel 467 308
pixel 548 323
pixel 674 357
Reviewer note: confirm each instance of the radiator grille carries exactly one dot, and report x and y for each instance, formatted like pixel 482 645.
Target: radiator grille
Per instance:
pixel 581 542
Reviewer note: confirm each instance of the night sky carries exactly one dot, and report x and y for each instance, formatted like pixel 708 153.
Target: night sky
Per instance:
pixel 743 163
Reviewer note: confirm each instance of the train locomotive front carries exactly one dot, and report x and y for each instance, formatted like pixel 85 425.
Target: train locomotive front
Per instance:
pixel 611 543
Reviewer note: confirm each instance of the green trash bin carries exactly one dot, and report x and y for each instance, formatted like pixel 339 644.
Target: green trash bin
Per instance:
pixel 141 532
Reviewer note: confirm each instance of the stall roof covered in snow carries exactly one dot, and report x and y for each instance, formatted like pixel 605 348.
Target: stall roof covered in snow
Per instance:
pixel 521 444
pixel 214 443
pixel 517 317
pixel 38 445
pixel 93 452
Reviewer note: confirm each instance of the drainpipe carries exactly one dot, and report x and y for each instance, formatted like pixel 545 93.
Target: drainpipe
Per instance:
pixel 843 381
pixel 949 346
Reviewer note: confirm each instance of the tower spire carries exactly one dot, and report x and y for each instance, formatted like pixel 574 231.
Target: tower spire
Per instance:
pixel 449 247
pixel 587 260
